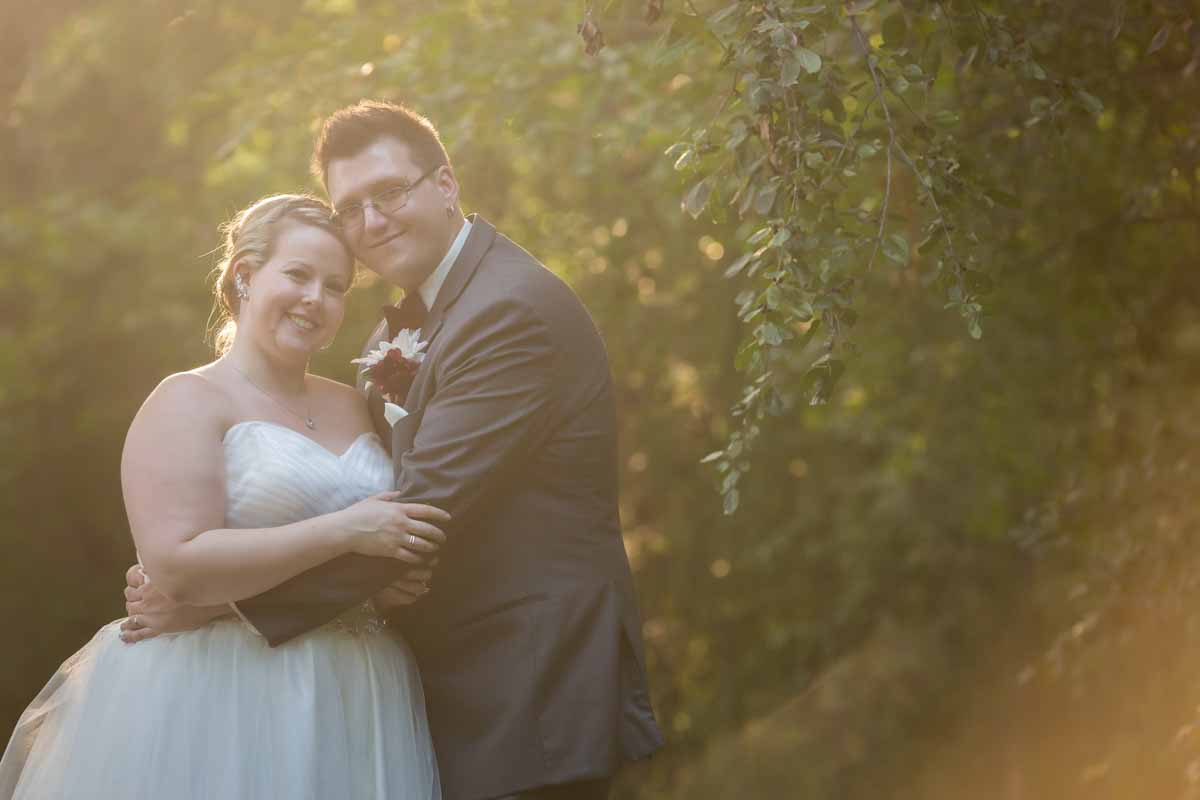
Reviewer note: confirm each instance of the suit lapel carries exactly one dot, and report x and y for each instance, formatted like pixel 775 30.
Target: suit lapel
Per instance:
pixel 479 241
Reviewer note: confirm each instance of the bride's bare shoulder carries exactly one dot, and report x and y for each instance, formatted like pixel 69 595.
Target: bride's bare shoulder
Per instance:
pixel 197 395
pixel 340 397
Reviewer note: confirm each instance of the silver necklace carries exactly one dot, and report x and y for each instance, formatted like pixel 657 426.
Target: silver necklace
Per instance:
pixel 308 420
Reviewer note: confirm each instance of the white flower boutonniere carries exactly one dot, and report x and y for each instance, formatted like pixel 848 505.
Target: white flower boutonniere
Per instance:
pixel 391 368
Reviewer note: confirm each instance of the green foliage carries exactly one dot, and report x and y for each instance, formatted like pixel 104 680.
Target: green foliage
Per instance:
pixel 838 177
pixel 811 152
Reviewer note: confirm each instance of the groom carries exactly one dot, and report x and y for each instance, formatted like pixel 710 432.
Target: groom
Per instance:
pixel 530 646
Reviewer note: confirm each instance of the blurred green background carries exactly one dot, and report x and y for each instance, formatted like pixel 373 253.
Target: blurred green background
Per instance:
pixel 970 573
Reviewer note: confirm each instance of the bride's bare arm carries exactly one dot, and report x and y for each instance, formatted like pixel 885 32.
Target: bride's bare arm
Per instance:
pixel 173 479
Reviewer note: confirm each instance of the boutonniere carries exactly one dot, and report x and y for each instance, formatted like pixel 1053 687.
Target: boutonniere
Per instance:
pixel 391 367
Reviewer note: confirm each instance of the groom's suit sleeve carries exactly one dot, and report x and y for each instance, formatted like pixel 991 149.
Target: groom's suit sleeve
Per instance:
pixel 492 404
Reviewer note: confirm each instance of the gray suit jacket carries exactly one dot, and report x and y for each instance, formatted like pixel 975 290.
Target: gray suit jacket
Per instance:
pixel 530 643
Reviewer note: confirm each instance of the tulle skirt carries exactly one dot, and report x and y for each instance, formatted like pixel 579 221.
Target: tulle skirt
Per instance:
pixel 216 714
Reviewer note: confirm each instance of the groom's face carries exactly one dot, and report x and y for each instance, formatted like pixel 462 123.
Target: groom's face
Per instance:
pixel 401 236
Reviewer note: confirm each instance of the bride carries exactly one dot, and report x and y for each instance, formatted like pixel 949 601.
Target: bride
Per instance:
pixel 237 476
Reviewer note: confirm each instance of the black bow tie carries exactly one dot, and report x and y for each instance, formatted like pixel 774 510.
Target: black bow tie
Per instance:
pixel 411 313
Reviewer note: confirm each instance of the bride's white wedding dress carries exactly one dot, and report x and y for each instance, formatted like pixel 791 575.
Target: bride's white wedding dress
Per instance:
pixel 216 713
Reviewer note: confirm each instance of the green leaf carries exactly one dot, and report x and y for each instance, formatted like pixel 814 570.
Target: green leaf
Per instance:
pixel 739 265
pixel 783 38
pixel 895 247
pixel 695 200
pixel 775 405
pixel 945 118
pixel 737 135
pixel 819 381
pixel 765 200
pixel 731 502
pixel 802 312
pixel 760 95
pixel 789 71
pixel 747 199
pixel 674 150
pixel 1160 39
pixel 759 235
pixel 770 334
pixel 713 456
pixel 810 61
pixel 774 297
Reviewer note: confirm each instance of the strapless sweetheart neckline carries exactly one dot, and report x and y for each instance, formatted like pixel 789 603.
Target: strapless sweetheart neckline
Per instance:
pixel 278 426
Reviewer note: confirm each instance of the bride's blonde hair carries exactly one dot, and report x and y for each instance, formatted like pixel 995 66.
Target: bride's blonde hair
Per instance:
pixel 249 239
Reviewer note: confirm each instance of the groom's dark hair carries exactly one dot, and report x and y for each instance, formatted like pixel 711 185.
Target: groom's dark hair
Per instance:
pixel 348 131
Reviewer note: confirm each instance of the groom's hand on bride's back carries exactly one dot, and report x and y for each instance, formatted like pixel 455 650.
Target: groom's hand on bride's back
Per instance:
pixel 406 591
pixel 152 613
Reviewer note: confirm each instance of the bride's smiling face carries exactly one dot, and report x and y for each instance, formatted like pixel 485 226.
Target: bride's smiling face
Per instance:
pixel 297 298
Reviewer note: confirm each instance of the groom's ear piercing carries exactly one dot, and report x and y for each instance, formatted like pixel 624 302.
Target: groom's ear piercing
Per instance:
pixel 449 212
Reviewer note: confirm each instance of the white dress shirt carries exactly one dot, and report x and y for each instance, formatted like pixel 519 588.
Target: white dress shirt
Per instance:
pixel 432 284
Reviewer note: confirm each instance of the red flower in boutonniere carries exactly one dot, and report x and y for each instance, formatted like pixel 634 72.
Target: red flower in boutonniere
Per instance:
pixel 392 366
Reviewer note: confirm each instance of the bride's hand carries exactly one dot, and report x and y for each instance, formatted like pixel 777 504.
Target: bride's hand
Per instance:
pixel 379 526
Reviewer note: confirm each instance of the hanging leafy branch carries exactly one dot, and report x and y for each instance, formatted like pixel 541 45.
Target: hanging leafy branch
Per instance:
pixel 842 137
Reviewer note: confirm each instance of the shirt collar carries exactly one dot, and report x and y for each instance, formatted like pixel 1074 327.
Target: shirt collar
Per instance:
pixel 429 289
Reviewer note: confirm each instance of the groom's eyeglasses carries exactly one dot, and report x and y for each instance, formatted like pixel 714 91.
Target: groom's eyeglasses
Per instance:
pixel 351 218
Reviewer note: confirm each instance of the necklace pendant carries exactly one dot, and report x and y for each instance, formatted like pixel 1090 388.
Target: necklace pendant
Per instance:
pixel 308 421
